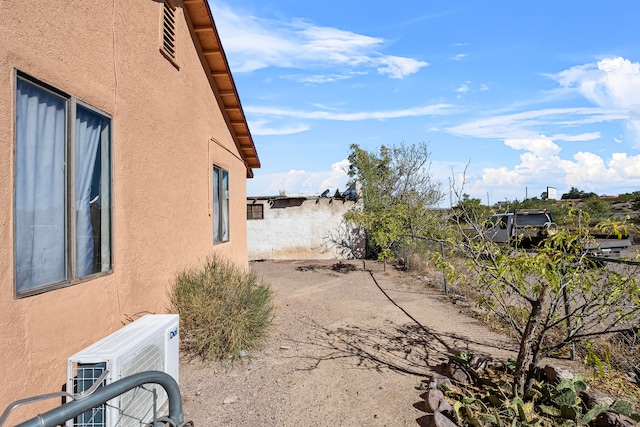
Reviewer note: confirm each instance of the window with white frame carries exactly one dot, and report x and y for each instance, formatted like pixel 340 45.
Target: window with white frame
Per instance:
pixel 220 205
pixel 62 225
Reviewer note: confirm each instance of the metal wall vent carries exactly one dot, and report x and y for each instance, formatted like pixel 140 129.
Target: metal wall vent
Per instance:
pixel 169 29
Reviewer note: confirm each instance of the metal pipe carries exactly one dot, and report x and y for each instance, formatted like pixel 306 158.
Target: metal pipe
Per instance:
pixel 444 274
pixel 404 253
pixel 72 409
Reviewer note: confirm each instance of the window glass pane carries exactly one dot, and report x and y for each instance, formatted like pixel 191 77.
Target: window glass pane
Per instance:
pixel 220 205
pixel 40 243
pixel 254 211
pixel 216 204
pixel 92 176
pixel 224 206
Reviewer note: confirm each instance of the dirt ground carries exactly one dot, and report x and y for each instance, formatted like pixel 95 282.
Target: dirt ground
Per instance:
pixel 349 348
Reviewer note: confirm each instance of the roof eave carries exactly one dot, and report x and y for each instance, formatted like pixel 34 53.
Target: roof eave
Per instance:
pixel 215 64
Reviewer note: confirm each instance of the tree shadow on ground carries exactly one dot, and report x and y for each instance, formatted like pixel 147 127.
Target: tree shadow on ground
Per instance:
pixel 409 348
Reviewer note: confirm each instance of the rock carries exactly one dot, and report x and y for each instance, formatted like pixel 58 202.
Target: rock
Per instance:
pixel 425 385
pixel 438 379
pixel 435 402
pixel 592 398
pixel 609 419
pixel 229 400
pixel 555 375
pixel 486 362
pixel 457 373
pixel 438 420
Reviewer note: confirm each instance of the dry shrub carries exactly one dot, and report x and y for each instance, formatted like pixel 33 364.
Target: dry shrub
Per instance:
pixel 417 262
pixel 619 351
pixel 223 309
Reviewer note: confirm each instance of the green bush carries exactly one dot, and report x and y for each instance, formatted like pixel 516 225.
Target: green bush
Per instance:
pixel 223 309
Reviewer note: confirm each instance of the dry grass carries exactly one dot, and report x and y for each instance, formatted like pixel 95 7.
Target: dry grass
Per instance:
pixel 223 309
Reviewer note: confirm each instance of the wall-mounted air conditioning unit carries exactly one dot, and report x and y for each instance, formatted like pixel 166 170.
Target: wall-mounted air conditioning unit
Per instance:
pixel 148 344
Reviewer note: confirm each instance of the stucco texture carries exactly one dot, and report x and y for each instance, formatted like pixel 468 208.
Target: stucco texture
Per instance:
pixel 106 54
pixel 298 228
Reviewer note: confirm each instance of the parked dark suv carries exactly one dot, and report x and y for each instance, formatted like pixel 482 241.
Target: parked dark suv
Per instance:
pixel 523 228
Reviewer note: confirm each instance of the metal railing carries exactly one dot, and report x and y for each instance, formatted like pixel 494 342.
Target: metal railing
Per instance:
pixel 99 396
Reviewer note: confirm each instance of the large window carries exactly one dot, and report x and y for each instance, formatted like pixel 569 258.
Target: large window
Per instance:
pixel 62 189
pixel 220 205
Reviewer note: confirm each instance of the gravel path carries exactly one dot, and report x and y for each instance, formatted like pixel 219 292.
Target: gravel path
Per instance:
pixel 349 348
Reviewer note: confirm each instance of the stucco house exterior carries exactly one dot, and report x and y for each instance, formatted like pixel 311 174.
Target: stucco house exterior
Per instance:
pixel 124 154
pixel 302 227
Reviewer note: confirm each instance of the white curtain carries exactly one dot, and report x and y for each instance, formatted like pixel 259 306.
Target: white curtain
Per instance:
pixel 88 137
pixel 40 187
pixel 216 205
pixel 220 205
pixel 105 198
pixel 224 202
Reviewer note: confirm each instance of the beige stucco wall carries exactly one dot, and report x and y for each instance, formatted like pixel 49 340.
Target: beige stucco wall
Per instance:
pixel 106 53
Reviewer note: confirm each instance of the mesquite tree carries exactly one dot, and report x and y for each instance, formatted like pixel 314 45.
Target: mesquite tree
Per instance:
pixel 396 194
pixel 552 295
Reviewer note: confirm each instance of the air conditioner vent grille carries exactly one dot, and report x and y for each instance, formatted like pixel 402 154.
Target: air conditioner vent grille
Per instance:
pixel 85 374
pixel 151 343
pixel 137 402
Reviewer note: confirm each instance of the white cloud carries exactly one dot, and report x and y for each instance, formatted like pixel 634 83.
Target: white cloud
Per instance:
pixel 458 57
pixel 541 165
pixel 328 115
pixel 252 43
pixel 627 166
pixel 501 177
pixel 259 127
pixel 300 181
pixel 613 84
pixel 335 42
pixel 588 136
pixel 542 147
pixel 264 127
pixel 524 124
pixel 338 176
pixel 320 78
pixel 587 169
pixel 398 67
pixel 463 89
pixel 610 83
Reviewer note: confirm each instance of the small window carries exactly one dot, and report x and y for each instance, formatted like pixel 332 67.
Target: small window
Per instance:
pixel 62 226
pixel 255 211
pixel 220 205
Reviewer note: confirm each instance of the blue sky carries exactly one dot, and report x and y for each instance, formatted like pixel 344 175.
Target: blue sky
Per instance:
pixel 523 95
